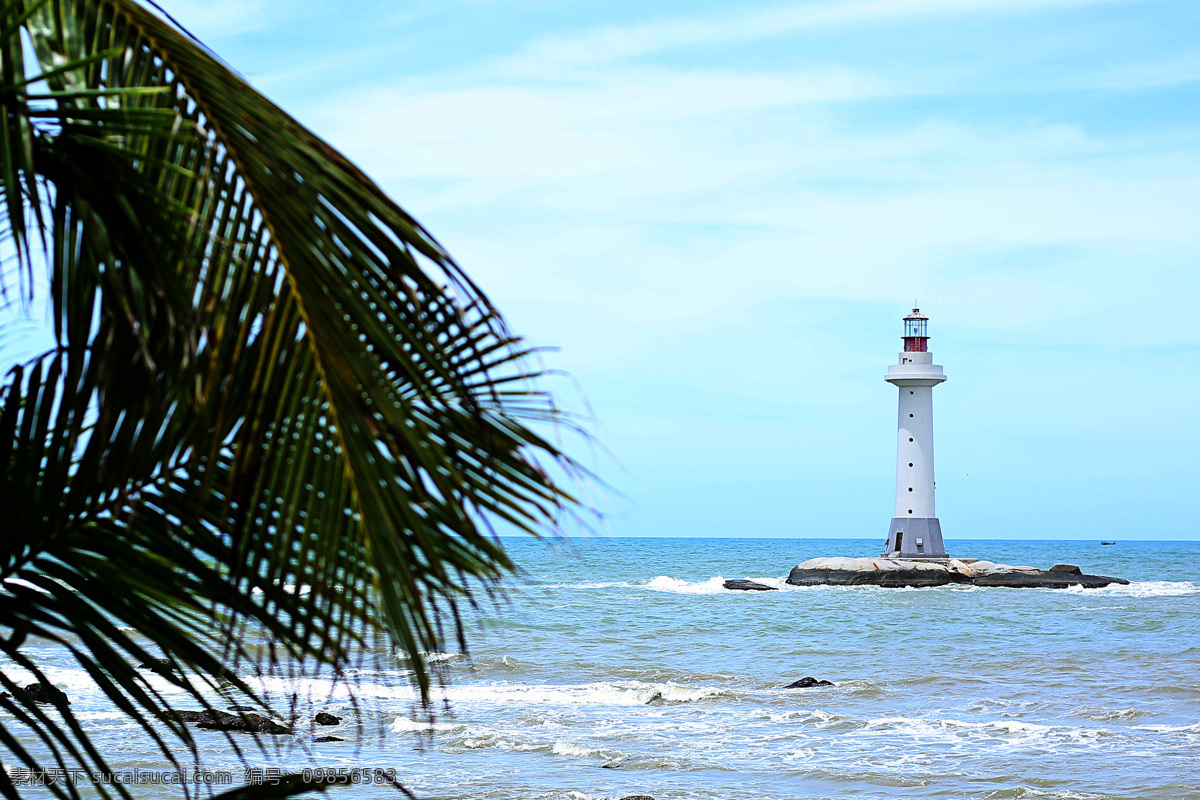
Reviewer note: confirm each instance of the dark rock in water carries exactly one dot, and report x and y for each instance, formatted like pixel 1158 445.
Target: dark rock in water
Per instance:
pixel 1046 580
pixel 329 739
pixel 637 797
pixel 805 683
pixel 45 693
pixel 243 708
pixel 247 723
pixel 324 718
pixel 748 586
pixel 1067 568
pixel 224 721
pixel 160 665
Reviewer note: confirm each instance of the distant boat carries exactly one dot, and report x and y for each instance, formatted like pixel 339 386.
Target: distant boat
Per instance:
pixel 1108 543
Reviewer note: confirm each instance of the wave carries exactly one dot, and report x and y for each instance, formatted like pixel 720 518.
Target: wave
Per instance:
pixel 1193 728
pixel 715 585
pixel 619 693
pixel 670 585
pixel 406 725
pixel 457 736
pixel 1116 715
pixel 431 657
pixel 1142 589
pixel 1007 732
pixel 665 583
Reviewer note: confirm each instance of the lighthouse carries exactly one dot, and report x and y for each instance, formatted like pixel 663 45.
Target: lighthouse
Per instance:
pixel 915 531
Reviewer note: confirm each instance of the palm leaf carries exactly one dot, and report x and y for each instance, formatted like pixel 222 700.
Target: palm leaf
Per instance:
pixel 266 374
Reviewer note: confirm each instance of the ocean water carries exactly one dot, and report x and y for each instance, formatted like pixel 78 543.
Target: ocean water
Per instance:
pixel 620 666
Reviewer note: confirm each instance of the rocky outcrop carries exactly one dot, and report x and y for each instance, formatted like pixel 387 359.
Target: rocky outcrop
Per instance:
pixel 323 739
pixel 900 572
pixel 45 693
pixel 224 721
pixel 873 572
pixel 806 683
pixel 748 586
pixel 1046 580
pixel 325 718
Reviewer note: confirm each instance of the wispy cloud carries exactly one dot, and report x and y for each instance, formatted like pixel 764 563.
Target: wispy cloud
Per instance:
pixel 548 56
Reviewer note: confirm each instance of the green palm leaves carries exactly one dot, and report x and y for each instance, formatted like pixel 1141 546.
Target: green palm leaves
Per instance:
pixel 267 375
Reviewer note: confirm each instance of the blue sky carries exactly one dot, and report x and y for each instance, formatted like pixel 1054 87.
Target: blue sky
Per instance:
pixel 719 214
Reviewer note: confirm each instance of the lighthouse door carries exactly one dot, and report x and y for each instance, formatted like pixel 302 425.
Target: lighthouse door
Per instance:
pixel 899 540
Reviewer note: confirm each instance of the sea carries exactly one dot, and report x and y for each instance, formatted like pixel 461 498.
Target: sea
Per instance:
pixel 614 667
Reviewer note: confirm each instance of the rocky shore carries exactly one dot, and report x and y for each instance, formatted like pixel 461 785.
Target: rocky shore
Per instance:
pixel 899 573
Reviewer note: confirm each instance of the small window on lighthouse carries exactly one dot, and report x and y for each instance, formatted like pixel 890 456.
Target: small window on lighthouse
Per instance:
pixel 910 488
pixel 910 416
pixel 910 438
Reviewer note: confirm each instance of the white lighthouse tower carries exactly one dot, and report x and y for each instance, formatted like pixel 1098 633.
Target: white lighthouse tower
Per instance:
pixel 915 531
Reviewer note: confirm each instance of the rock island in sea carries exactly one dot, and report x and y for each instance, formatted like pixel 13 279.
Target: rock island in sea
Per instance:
pixel 902 572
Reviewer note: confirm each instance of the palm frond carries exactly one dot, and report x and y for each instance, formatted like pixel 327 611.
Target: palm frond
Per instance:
pixel 267 374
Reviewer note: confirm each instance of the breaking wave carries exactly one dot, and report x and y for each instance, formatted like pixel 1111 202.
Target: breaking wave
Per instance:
pixel 1145 589
pixel 620 693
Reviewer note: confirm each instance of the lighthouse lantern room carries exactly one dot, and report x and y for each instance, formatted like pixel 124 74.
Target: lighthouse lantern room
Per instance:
pixel 915 531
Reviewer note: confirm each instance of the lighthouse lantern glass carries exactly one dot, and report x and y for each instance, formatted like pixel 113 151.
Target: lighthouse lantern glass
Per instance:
pixel 916 336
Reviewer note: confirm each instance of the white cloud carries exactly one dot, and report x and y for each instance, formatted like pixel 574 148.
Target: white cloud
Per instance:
pixel 548 57
pixel 569 195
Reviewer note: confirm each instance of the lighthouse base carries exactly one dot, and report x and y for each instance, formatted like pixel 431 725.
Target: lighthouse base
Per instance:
pixel 915 537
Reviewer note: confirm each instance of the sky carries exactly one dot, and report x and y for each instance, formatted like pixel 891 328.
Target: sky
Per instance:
pixel 718 214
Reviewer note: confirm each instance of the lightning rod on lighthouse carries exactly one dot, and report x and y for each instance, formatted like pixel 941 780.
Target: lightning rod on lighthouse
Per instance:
pixel 915 530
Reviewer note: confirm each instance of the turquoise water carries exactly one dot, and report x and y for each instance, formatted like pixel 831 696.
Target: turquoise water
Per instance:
pixel 620 666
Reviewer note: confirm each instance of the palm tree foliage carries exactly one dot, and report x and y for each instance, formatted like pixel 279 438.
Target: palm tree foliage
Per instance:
pixel 265 375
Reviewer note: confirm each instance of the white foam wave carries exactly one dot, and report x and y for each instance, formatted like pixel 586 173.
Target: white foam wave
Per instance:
pixel 1052 794
pixel 432 657
pixel 628 693
pixel 811 715
pixel 997 732
pixel 623 693
pixel 578 750
pixel 665 583
pixel 598 693
pixel 1144 589
pixel 1193 728
pixel 1115 715
pixel 1005 725
pixel 406 725
pixel 670 585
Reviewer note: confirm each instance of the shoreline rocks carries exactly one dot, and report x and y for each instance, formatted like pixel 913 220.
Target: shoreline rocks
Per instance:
pixel 918 573
pixel 44 694
pixel 224 721
pixel 807 683
pixel 748 586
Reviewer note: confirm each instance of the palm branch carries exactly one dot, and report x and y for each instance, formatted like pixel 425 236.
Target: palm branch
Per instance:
pixel 265 374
